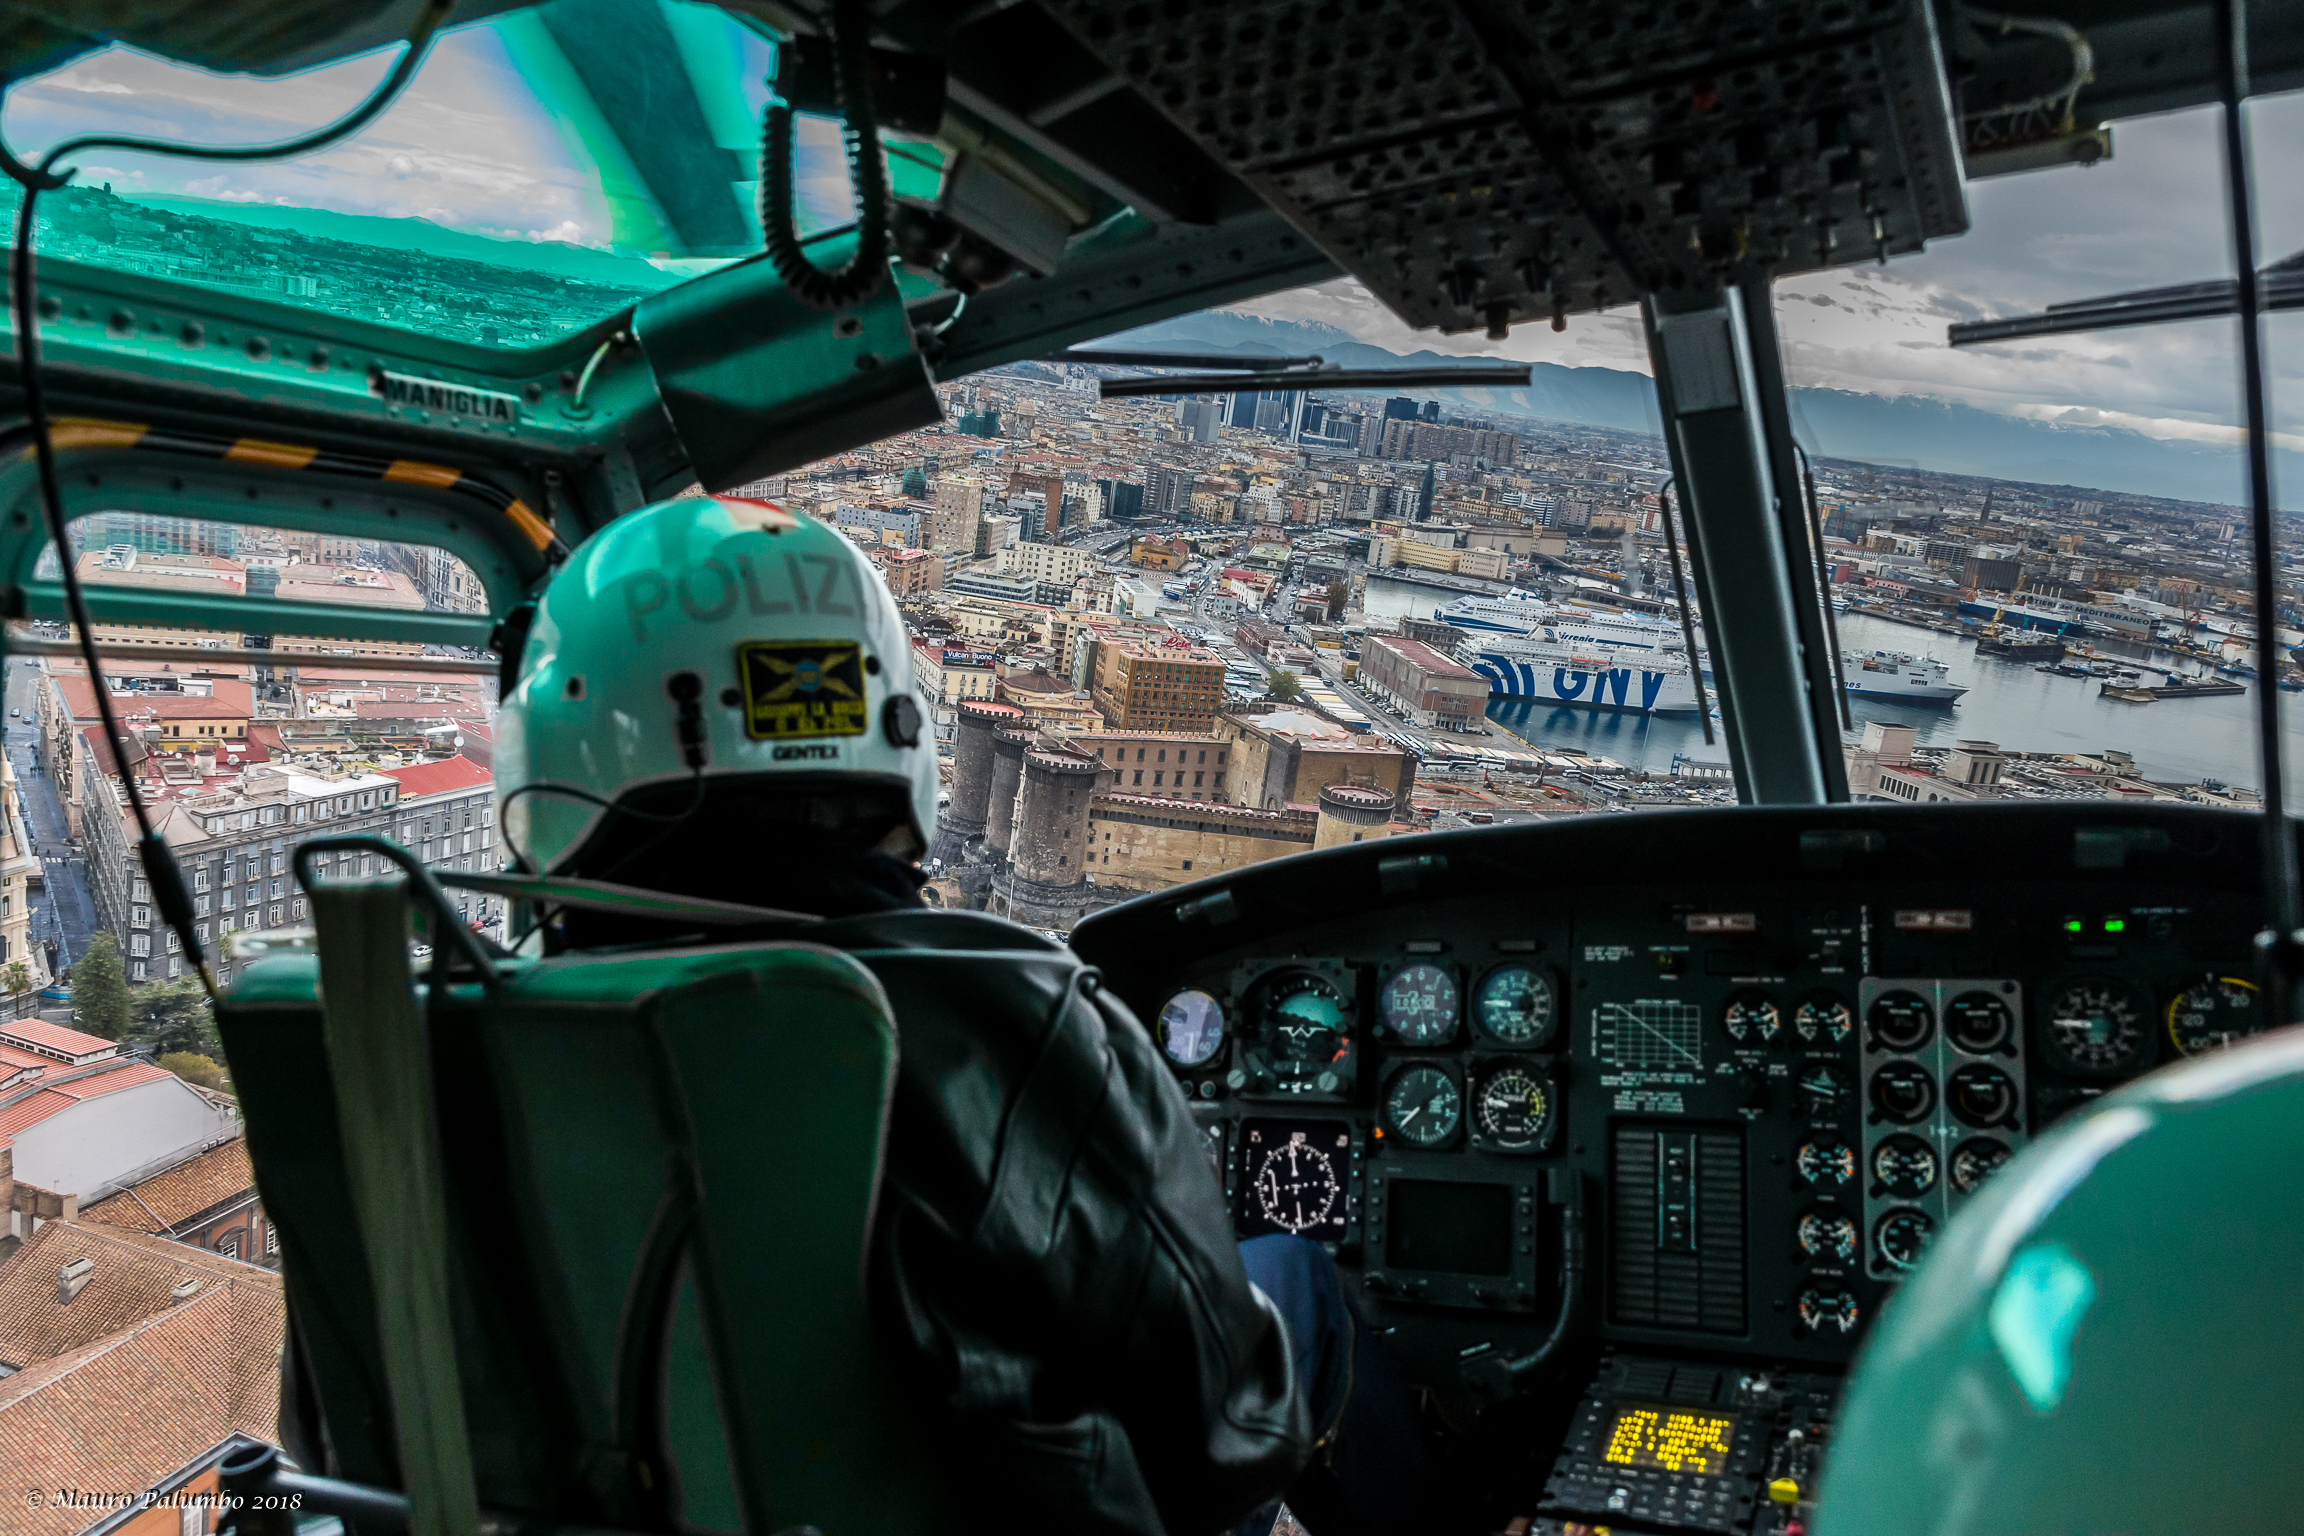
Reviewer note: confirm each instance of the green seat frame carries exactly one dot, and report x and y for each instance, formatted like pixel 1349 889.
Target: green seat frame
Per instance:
pixel 580 1240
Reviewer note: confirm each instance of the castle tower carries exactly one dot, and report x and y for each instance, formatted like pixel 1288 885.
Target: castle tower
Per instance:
pixel 1047 884
pixel 1351 813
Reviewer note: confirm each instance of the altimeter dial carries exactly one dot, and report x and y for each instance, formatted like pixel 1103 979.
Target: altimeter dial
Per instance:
pixel 2094 1027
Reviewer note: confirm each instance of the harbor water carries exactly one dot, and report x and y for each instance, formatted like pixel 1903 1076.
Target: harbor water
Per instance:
pixel 2175 741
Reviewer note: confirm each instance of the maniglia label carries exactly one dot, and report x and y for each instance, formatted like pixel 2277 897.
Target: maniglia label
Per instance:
pixel 448 399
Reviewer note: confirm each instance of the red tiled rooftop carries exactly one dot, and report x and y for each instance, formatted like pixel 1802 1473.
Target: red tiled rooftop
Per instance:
pixel 39 1032
pixel 434 778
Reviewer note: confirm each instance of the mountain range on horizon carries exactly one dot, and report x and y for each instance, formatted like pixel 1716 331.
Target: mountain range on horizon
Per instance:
pixel 1944 436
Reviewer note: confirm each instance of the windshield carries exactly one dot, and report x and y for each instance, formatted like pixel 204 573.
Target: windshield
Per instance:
pixel 2039 550
pixel 540 172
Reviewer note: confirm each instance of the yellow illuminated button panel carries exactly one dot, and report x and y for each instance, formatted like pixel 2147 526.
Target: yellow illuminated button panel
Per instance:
pixel 1670 1439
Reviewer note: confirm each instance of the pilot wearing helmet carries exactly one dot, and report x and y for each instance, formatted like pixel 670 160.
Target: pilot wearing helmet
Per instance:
pixel 715 699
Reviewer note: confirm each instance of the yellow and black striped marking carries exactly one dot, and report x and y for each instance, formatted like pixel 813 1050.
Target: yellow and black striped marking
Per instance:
pixel 69 432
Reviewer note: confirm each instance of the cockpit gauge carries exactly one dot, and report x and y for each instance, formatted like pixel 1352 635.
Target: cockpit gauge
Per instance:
pixel 1295 1177
pixel 1191 1029
pixel 1983 1096
pixel 1515 1007
pixel 2213 1013
pixel 1829 1236
pixel 1419 1004
pixel 2094 1027
pixel 1902 1093
pixel 1979 1023
pixel 1824 1091
pixel 1900 1021
pixel 1301 1039
pixel 1752 1018
pixel 1423 1106
pixel 1903 1168
pixel 1901 1236
pixel 1826 1162
pixel 1821 1309
pixel 1973 1161
pixel 1823 1018
pixel 1512 1106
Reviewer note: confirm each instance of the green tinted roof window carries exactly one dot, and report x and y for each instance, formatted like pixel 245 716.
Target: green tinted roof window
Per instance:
pixel 543 170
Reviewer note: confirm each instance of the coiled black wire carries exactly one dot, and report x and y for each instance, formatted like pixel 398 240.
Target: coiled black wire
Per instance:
pixel 867 268
pixel 169 896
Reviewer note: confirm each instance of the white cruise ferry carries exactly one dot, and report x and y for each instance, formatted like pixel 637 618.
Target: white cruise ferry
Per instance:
pixel 1897 676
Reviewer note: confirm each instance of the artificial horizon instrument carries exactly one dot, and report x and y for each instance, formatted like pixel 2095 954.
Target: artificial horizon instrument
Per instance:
pixel 1626 1130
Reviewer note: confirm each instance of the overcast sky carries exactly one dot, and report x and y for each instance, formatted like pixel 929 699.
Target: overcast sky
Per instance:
pixel 2153 214
pixel 469 145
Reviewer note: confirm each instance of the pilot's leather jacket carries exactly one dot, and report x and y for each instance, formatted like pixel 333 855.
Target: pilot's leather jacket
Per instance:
pixel 1052 1252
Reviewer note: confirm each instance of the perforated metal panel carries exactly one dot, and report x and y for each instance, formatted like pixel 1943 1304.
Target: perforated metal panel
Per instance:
pixel 1505 160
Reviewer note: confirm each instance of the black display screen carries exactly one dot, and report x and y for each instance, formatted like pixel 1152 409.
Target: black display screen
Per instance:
pixel 1460 1229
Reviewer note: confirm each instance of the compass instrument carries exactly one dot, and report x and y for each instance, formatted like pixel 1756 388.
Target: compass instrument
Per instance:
pixel 1295 1177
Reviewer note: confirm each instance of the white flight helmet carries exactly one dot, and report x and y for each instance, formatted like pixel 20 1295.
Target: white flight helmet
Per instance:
pixel 708 647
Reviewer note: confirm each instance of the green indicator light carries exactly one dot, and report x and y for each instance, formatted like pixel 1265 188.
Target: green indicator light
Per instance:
pixel 2114 924
pixel 2074 926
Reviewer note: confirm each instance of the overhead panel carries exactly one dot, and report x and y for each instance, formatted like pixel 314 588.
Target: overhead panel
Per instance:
pixel 1488 163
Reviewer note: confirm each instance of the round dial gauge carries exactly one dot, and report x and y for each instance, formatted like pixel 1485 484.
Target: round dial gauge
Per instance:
pixel 1305 1024
pixel 1903 1093
pixel 2214 1013
pixel 1979 1023
pixel 1901 1236
pixel 1983 1096
pixel 1752 1018
pixel 1191 1029
pixel 1515 1006
pixel 1903 1167
pixel 1824 1018
pixel 1419 1005
pixel 1511 1108
pixel 2094 1028
pixel 1973 1161
pixel 1821 1309
pixel 1824 1091
pixel 1423 1106
pixel 1829 1235
pixel 1826 1161
pixel 1901 1021
pixel 1297 1186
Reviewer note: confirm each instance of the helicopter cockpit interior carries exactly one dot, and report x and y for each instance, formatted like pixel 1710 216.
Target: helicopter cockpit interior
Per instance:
pixel 1623 1130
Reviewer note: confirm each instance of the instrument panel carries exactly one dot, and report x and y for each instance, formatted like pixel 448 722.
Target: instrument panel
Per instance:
pixel 1761 1080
